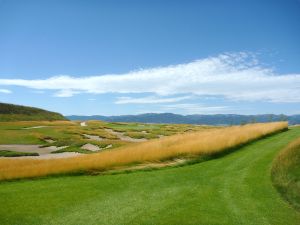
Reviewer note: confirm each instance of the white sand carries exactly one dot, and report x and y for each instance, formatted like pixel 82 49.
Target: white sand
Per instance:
pixel 122 137
pixel 28 128
pixel 48 140
pixel 90 147
pixel 43 152
pixel 93 137
pixel 50 156
pixel 83 124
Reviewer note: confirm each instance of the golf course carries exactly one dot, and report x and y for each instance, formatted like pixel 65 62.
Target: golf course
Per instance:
pixel 144 112
pixel 233 189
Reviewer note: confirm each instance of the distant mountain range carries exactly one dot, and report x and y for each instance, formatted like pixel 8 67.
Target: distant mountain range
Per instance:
pixel 217 119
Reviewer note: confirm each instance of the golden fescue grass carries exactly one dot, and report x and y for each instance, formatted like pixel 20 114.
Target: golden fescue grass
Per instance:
pixel 287 157
pixel 201 143
pixel 286 173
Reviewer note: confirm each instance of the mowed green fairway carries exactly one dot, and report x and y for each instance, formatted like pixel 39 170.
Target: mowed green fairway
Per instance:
pixel 234 189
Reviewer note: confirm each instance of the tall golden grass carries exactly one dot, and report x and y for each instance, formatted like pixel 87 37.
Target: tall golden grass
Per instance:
pixel 286 173
pixel 203 143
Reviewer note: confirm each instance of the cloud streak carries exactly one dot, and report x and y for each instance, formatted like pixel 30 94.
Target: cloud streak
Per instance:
pixel 5 91
pixel 232 76
pixel 150 100
pixel 192 108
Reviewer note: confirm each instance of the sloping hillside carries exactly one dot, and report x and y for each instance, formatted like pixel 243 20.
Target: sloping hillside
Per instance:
pixel 10 112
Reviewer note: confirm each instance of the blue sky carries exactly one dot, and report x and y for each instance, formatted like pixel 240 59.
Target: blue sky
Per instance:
pixel 131 57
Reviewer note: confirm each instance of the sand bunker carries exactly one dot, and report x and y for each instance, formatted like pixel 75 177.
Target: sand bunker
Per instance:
pixel 108 146
pixel 48 140
pixel 93 137
pixel 43 152
pixel 83 124
pixel 55 148
pixel 50 156
pixel 123 137
pixel 90 147
pixel 27 148
pixel 36 127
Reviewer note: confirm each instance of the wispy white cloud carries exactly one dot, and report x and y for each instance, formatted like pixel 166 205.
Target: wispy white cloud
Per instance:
pixel 66 93
pixel 38 91
pixel 150 100
pixel 232 76
pixel 5 91
pixel 92 99
pixel 192 108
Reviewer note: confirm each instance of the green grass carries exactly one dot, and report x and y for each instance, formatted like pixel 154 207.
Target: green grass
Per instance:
pixel 286 173
pixel 234 189
pixel 139 135
pixel 73 149
pixel 13 132
pixel 10 112
pixel 122 127
pixel 153 130
pixel 8 153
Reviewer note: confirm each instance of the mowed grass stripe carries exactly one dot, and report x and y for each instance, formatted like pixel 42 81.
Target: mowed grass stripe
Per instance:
pixel 234 189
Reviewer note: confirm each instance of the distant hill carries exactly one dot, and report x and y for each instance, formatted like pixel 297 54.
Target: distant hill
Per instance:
pixel 10 112
pixel 217 119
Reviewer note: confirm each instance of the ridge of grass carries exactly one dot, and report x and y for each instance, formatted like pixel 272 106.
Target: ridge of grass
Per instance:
pixel 176 162
pixel 286 173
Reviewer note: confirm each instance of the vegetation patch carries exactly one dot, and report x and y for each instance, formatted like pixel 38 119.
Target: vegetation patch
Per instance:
pixel 140 135
pixel 10 112
pixel 286 173
pixel 72 149
pixel 8 153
